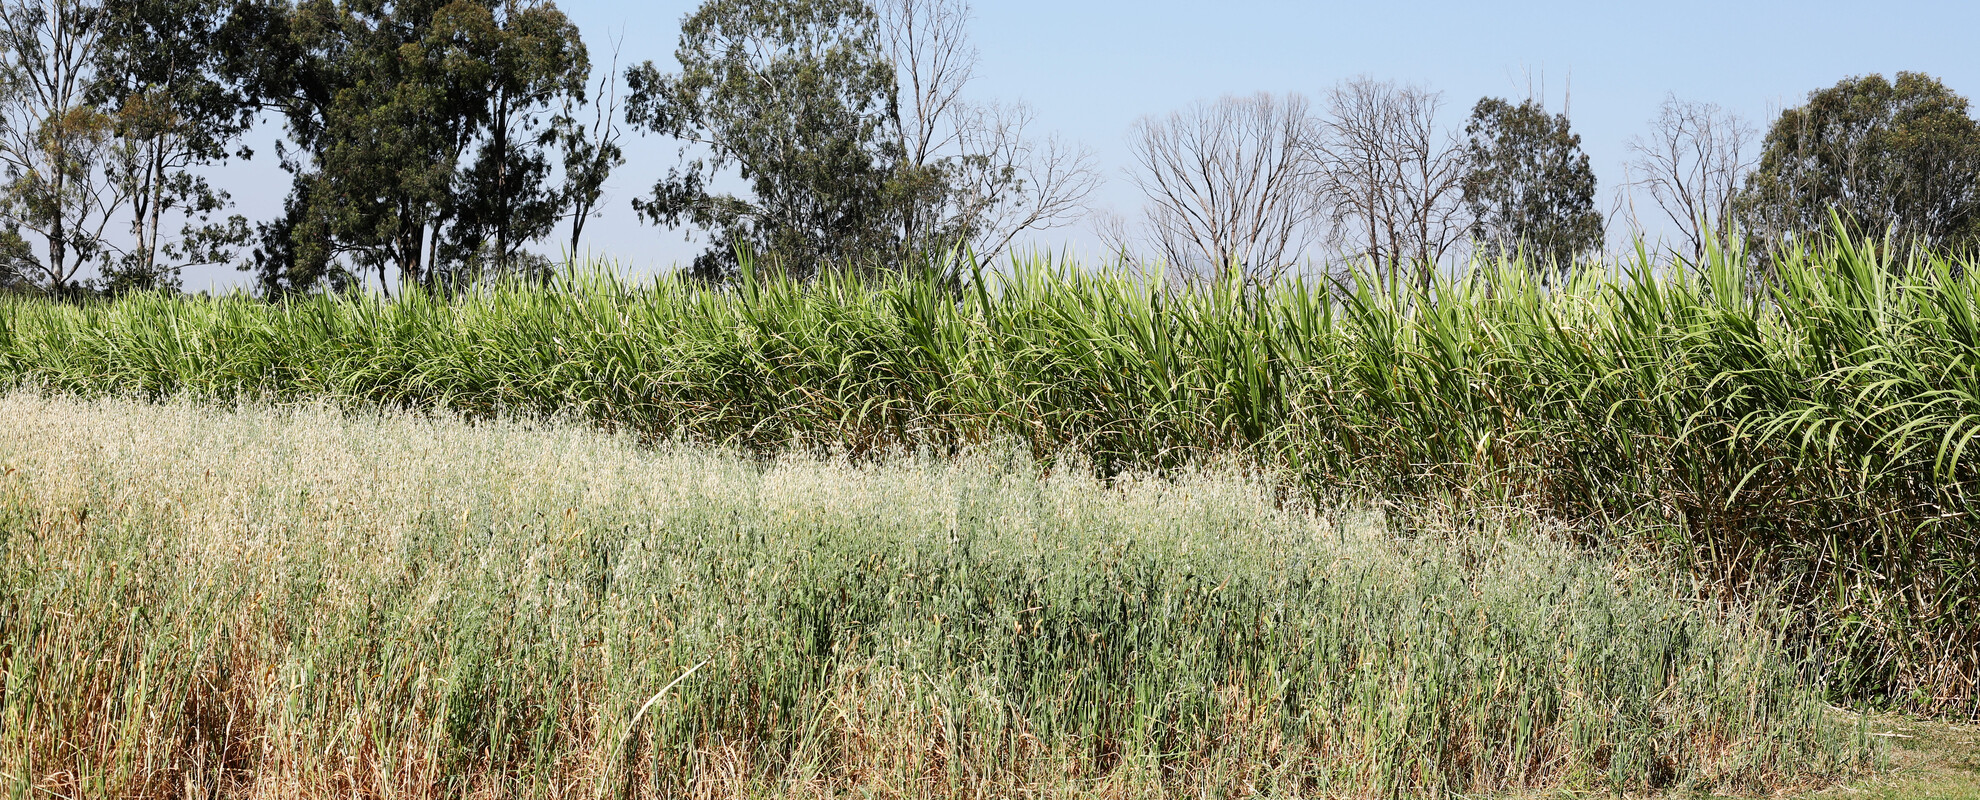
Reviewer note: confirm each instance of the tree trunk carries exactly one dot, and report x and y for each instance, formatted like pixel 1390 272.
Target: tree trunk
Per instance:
pixel 500 141
pixel 409 242
pixel 58 235
pixel 1374 236
pixel 140 213
pixel 579 210
pixel 154 197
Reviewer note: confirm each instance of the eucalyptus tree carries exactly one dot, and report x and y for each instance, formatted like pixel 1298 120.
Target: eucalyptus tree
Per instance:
pixel 1899 157
pixel 851 127
pixel 1528 187
pixel 167 74
pixel 795 96
pixel 108 108
pixel 526 58
pixel 57 149
pixel 416 134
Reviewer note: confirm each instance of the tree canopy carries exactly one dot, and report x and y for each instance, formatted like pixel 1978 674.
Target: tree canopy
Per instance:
pixel 795 95
pixel 1528 186
pixel 1897 157
pixel 849 129
pixel 420 130
pixel 106 109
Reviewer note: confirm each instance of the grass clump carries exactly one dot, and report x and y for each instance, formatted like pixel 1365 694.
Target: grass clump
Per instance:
pixel 259 602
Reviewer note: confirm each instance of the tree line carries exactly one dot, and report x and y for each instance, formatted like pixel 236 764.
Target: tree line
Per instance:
pixel 432 142
pixel 418 137
pixel 1255 184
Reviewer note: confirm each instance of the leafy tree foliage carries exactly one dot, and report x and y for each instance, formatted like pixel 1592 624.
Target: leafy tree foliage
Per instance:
pixel 58 151
pixel 530 58
pixel 420 131
pixel 1900 157
pixel 166 73
pixel 794 94
pixel 1528 187
pixel 17 262
pixel 106 108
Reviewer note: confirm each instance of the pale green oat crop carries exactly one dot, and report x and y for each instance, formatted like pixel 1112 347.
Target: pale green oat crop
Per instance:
pixel 251 602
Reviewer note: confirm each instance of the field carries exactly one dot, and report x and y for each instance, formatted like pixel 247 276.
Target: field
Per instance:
pixel 1809 437
pixel 312 603
pixel 1039 530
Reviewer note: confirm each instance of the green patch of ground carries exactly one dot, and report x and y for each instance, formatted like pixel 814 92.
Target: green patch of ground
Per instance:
pixel 1928 761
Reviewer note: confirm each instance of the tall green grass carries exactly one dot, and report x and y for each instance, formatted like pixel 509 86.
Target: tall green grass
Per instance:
pixel 1814 433
pixel 260 603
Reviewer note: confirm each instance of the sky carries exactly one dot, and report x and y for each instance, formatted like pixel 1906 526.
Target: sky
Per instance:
pixel 1090 68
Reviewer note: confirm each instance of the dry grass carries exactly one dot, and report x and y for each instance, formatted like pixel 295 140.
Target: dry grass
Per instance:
pixel 276 603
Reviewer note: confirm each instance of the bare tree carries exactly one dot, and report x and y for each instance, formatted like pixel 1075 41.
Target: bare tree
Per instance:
pixel 1116 235
pixel 1228 184
pixel 1692 164
pixel 1013 182
pixel 1391 180
pixel 928 43
pixel 978 173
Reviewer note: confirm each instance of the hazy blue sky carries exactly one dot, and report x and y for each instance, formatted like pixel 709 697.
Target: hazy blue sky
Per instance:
pixel 1091 67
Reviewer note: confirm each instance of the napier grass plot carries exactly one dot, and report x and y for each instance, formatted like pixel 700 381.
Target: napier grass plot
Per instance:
pixel 307 602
